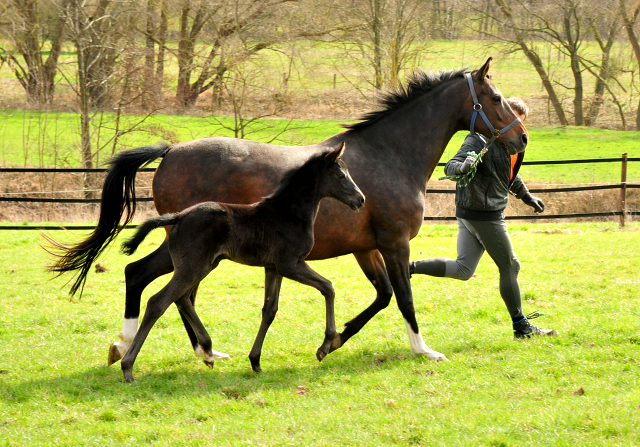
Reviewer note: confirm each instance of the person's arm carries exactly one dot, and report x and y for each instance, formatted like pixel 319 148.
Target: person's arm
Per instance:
pixel 520 191
pixel 461 162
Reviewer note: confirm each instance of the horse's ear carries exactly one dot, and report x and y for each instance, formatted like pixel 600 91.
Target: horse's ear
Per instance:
pixel 484 71
pixel 335 154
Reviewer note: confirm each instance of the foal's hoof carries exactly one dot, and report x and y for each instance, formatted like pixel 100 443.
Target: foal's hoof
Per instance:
pixel 320 354
pixel 209 363
pixel 114 354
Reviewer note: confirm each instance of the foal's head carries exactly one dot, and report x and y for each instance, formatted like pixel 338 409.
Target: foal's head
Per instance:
pixel 337 182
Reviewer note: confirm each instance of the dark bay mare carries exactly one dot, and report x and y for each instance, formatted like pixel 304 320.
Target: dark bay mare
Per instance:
pixel 391 154
pixel 276 233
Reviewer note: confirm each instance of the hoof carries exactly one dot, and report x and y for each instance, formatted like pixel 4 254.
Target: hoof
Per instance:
pixel 128 376
pixel 437 357
pixel 114 354
pixel 209 363
pixel 320 354
pixel 255 365
pixel 335 343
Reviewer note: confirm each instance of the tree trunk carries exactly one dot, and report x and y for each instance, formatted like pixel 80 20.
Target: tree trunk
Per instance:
pixel 629 22
pixel 377 49
pixel 533 57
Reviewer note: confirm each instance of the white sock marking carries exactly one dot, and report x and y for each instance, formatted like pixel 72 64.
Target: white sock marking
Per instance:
pixel 418 346
pixel 129 329
pixel 216 355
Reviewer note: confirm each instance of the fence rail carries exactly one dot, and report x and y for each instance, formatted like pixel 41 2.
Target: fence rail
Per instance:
pixel 623 186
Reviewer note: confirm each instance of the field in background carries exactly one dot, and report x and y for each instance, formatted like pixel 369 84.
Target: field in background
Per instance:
pixel 48 139
pixel 578 389
pixel 312 94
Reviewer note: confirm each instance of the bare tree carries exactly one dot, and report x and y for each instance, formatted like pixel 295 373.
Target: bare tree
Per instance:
pixel 604 71
pixel 629 20
pixel 521 38
pixel 387 37
pixel 32 31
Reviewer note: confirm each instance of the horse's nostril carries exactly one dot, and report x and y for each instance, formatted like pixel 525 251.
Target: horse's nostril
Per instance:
pixel 525 139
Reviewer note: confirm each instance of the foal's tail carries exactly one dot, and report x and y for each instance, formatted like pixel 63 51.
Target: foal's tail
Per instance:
pixel 118 200
pixel 130 246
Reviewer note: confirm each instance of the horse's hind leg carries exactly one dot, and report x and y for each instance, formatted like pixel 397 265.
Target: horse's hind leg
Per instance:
pixel 372 265
pixel 272 281
pixel 138 275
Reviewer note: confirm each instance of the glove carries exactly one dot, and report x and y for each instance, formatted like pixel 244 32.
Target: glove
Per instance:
pixel 534 202
pixel 466 164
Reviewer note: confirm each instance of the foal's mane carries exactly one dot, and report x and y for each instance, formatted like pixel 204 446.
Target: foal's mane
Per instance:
pixel 302 174
pixel 418 84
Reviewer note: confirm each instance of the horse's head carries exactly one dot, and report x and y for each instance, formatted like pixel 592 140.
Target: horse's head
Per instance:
pixel 338 182
pixel 497 111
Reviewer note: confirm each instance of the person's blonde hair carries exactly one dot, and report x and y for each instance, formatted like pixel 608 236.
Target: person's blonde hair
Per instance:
pixel 518 106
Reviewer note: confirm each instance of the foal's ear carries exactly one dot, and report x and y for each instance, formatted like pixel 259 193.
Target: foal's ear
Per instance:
pixel 335 154
pixel 484 71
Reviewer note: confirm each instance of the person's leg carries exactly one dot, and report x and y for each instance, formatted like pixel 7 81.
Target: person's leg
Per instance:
pixel 496 240
pixel 470 250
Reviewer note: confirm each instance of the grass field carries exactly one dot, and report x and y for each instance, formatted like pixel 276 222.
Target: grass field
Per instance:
pixel 581 388
pixel 30 138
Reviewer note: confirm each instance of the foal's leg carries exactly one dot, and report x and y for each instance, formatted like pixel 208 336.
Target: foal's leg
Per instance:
pixel 396 258
pixel 304 274
pixel 372 265
pixel 203 342
pixel 272 283
pixel 156 307
pixel 138 275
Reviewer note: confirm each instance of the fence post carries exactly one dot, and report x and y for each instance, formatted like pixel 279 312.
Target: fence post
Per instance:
pixel 623 190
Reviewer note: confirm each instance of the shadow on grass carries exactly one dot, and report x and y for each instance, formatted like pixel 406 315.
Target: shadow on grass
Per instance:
pixel 183 379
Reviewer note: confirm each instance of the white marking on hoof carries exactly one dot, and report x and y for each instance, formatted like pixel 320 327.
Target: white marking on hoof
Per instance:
pixel 418 346
pixel 129 329
pixel 216 355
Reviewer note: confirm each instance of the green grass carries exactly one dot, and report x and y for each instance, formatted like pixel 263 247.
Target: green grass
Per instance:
pixel 30 138
pixel 57 389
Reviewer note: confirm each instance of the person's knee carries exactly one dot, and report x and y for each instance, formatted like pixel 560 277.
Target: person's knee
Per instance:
pixel 462 272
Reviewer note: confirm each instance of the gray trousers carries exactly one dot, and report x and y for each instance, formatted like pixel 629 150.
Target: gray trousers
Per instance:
pixel 474 237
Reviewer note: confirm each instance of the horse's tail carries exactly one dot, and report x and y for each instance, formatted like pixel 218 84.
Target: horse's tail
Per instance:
pixel 130 246
pixel 118 201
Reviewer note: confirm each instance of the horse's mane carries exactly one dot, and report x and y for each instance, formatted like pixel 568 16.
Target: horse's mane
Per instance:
pixel 418 83
pixel 296 175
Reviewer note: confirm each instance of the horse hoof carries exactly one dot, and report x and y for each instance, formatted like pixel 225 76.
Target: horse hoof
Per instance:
pixel 114 354
pixel 320 355
pixel 209 363
pixel 335 343
pixel 128 376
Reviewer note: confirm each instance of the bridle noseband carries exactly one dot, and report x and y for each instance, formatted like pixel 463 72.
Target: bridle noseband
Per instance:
pixel 477 110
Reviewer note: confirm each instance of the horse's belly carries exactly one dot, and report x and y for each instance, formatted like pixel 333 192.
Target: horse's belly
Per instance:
pixel 188 176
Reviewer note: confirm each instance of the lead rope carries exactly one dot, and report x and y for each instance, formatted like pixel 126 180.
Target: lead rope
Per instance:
pixel 463 180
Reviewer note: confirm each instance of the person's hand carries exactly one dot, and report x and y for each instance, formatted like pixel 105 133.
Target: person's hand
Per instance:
pixel 466 164
pixel 534 202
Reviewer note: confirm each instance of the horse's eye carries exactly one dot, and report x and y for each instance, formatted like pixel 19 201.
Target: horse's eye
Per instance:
pixel 341 176
pixel 496 99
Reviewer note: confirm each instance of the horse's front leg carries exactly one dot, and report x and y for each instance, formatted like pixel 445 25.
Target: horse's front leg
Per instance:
pixel 272 283
pixel 397 262
pixel 304 274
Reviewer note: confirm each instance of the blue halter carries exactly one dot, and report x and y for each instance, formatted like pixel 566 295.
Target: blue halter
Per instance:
pixel 477 110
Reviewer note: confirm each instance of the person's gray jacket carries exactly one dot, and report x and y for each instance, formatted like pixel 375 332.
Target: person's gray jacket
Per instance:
pixel 486 196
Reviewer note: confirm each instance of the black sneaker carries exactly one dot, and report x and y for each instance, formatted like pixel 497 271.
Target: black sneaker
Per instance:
pixel 524 329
